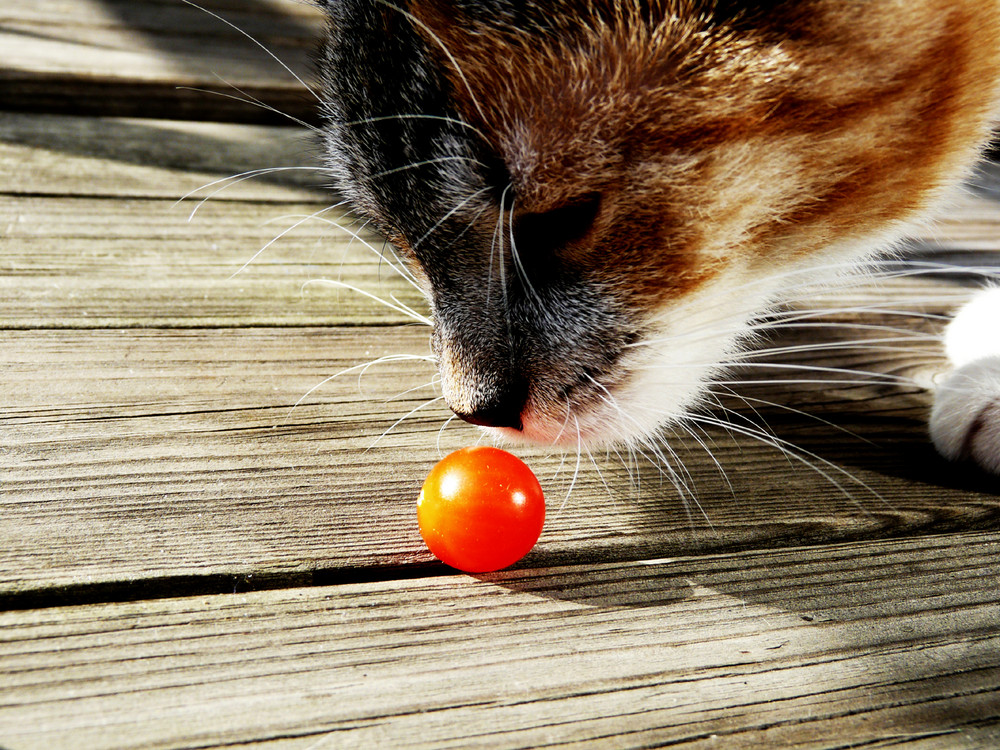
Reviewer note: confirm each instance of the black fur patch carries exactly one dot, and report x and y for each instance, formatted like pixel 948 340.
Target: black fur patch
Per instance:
pixel 395 144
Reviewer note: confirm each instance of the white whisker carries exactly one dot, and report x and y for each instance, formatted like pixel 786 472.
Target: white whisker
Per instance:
pixel 576 471
pixel 444 48
pixel 363 367
pixel 399 267
pixel 502 265
pixel 236 179
pixel 402 419
pixel 247 98
pixel 689 429
pixel 424 163
pixel 442 118
pixel 681 483
pixel 795 452
pixel 281 234
pixel 519 266
pixel 441 430
pixel 448 215
pixel 430 384
pixel 799 412
pixel 397 306
pixel 600 475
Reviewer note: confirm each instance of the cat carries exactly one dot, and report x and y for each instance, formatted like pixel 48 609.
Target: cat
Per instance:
pixel 601 198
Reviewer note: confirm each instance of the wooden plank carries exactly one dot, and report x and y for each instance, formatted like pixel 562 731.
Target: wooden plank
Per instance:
pixel 92 234
pixel 100 263
pixel 142 455
pixel 144 57
pixel 98 157
pixel 838 646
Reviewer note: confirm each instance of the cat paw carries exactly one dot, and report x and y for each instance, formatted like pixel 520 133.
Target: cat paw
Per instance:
pixel 965 419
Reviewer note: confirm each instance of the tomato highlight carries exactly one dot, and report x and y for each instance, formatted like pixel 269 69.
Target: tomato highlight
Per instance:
pixel 480 509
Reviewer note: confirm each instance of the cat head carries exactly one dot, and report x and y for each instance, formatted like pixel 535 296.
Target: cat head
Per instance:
pixel 598 197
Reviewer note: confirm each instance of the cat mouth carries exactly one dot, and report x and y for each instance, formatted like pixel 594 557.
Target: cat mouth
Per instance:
pixel 587 412
pixel 578 427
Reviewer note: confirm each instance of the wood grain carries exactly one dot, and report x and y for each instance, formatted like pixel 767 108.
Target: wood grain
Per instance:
pixel 158 58
pixel 792 648
pixel 84 157
pixel 80 262
pixel 93 234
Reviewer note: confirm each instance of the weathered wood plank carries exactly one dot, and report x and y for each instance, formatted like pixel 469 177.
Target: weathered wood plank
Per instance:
pixel 152 454
pixel 870 644
pixel 143 57
pixel 91 234
pixel 93 263
pixel 48 155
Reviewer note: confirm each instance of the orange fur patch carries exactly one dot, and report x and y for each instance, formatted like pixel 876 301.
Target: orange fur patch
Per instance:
pixel 735 142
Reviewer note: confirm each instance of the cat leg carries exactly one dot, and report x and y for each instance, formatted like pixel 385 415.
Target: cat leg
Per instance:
pixel 965 419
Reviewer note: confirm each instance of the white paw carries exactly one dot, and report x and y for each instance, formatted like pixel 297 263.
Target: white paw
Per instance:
pixel 965 420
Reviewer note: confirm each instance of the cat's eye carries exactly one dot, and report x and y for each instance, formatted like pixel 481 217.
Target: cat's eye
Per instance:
pixel 538 235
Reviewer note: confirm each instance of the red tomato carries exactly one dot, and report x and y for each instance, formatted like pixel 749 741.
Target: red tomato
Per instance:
pixel 480 509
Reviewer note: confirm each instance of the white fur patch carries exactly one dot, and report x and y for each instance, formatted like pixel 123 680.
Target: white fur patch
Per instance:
pixel 975 331
pixel 965 420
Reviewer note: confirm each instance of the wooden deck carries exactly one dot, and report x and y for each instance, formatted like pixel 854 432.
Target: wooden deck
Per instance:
pixel 205 544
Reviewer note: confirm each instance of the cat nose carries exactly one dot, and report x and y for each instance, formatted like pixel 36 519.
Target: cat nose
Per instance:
pixel 501 409
pixel 480 382
pixel 494 417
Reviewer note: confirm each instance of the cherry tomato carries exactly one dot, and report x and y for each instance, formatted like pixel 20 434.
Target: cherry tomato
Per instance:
pixel 480 509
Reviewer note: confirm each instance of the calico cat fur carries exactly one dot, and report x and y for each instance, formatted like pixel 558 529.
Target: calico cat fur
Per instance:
pixel 601 198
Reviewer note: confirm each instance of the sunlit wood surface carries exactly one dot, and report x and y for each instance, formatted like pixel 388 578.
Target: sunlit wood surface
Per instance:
pixel 207 540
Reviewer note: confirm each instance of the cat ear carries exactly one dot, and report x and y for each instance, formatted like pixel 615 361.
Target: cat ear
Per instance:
pixel 965 419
